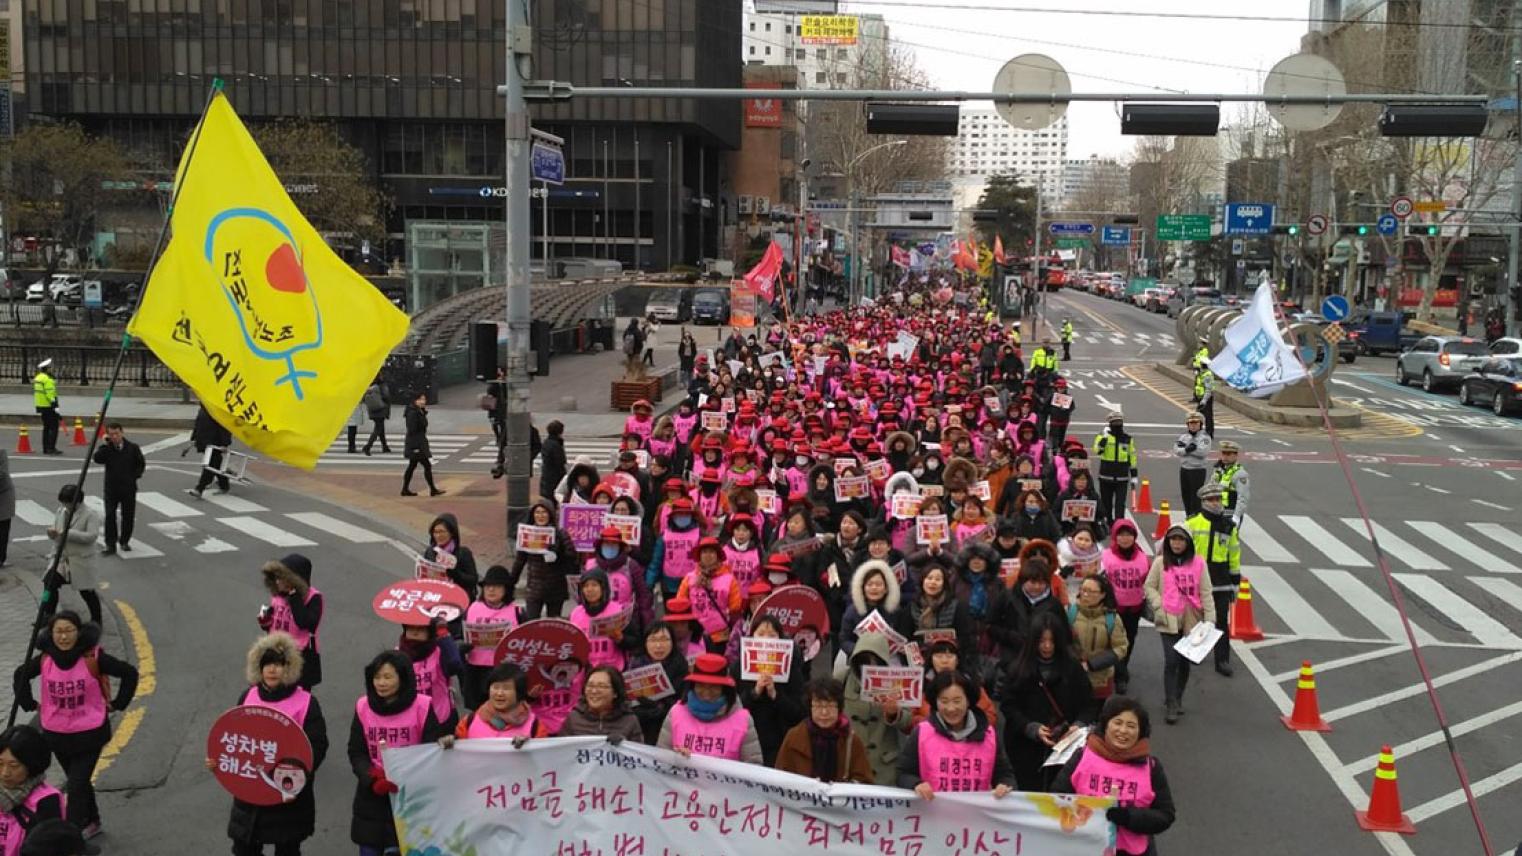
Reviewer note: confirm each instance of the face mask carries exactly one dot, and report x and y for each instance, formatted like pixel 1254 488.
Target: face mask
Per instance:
pixel 932 465
pixel 801 461
pixel 918 471
pixel 1033 510
pixel 610 552
pixel 682 521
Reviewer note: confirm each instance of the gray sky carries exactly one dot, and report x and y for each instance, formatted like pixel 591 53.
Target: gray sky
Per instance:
pixel 963 48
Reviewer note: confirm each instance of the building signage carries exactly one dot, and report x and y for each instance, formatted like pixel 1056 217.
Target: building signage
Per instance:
pixel 829 29
pixel 763 112
pixel 546 163
pixel 797 7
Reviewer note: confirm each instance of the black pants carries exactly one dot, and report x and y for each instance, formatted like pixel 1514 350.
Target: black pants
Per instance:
pixel 412 464
pixel 353 436
pixel 534 604
pixel 208 474
pixel 127 503
pixel 50 420
pixel 1223 602
pixel 1175 669
pixel 79 767
pixel 1207 410
pixel 377 430
pixel 1056 432
pixel 1129 621
pixel 1067 351
pixel 1190 482
pixel 5 539
pixel 1112 498
pixel 246 848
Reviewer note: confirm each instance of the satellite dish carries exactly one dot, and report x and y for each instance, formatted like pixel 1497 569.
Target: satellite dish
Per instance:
pixel 1027 74
pixel 1303 75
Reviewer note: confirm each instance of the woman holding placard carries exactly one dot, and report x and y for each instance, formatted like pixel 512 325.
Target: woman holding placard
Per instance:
pixel 1079 554
pixel 874 589
pixel 824 746
pixel 490 616
pixel 1084 507
pixel 546 568
pixel 603 619
pixel 1117 761
pixel 444 547
pixel 710 719
pixel 1044 696
pixel 775 702
pixel 880 724
pixel 1177 589
pixel 660 650
pixel 957 749
pixel 391 711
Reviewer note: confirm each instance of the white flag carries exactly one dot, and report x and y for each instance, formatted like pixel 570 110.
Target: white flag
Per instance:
pixel 1256 358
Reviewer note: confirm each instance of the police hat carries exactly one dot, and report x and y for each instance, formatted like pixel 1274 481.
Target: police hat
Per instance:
pixel 1212 490
pixel 1228 446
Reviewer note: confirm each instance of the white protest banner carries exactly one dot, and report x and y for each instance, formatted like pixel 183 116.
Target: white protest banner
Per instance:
pixel 1078 465
pixel 819 365
pixel 629 526
pixel 1061 402
pixel 535 539
pixel 648 682
pixel 424 569
pixel 898 351
pixel 485 634
pixel 1256 359
pixel 763 656
pixel 608 623
pixel 931 529
pixel 727 404
pixel 903 684
pixel 585 795
pixel 907 339
pixel 848 488
pixel 734 366
pixel 1079 509
pixel 715 420
pixel 642 459
pixel 878 469
pixel 992 405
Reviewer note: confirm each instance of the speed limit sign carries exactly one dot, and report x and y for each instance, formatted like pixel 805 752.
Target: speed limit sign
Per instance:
pixel 1401 207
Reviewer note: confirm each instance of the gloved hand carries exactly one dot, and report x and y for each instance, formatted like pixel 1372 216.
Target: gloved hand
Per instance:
pixel 1189 449
pixel 550 557
pixel 30 706
pixel 379 784
pixel 1118 816
pixel 266 621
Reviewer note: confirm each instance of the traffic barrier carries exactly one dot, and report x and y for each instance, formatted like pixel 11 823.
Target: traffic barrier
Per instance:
pixel 1384 814
pixel 1243 626
pixel 1164 520
pixel 79 432
pixel 1307 713
pixel 1143 499
pixel 23 443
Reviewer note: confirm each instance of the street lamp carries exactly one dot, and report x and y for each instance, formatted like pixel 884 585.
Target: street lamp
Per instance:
pixel 856 214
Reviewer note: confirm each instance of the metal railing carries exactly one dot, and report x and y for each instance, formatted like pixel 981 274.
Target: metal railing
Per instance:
pixel 84 365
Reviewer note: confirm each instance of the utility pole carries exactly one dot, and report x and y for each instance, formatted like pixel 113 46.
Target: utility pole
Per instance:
pixel 520 47
pixel 1036 244
pixel 1509 298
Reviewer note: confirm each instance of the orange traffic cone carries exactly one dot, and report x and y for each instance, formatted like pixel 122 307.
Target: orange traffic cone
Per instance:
pixel 79 432
pixel 1243 626
pixel 1384 813
pixel 1143 499
pixel 1164 520
pixel 1307 713
pixel 23 444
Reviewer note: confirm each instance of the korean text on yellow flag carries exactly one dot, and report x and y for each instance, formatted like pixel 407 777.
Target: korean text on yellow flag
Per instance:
pixel 248 306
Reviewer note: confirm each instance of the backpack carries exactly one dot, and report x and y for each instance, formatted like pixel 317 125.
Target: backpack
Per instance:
pixel 1073 618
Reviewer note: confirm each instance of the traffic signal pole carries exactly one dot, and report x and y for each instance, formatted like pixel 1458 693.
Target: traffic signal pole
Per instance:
pixel 516 461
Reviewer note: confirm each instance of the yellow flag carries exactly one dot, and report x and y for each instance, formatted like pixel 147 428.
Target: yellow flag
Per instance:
pixel 248 306
pixel 985 263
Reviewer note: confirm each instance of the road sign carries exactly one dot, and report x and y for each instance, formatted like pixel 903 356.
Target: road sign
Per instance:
pixel 1241 264
pixel 1072 243
pixel 1333 333
pixel 1317 224
pixel 547 163
pixel 1401 207
pixel 1116 235
pixel 1070 228
pixel 1236 246
pixel 1386 224
pixel 1249 218
pixel 1183 227
pixel 1430 206
pixel 1334 307
pixel 1032 73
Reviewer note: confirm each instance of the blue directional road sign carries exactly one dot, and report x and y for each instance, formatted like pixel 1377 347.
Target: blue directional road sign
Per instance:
pixel 1386 224
pixel 1249 218
pixel 1334 307
pixel 547 163
pixel 1071 229
pixel 1115 235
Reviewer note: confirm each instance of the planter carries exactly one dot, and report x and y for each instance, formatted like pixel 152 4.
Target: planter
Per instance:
pixel 625 393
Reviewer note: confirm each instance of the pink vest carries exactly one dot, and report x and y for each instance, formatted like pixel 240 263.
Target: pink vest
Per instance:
pixel 708 506
pixel 701 468
pixel 1181 586
pixel 480 613
pixel 282 620
pixel 398 729
pixel 294 705
pixel 11 834
pixel 677 561
pixel 555 703
pixel 744 565
pixel 71 698
pixel 644 428
pixel 1130 784
pixel 966 533
pixel 721 738
pixel 1127 577
pixel 666 448
pixel 684 426
pixel 479 728
pixel 604 651
pixel 797 481
pixel 433 683
pixel 711 605
pixel 948 765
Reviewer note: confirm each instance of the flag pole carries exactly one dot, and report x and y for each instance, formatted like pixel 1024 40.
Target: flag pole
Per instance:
pixel 51 580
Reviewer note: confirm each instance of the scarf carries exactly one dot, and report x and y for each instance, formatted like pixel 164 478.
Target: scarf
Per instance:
pixel 958 734
pixel 1098 746
pixel 12 797
pixel 486 713
pixel 825 747
pixel 704 711
pixel 977 599
pixel 931 609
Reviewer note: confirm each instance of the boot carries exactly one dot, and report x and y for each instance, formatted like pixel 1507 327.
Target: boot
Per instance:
pixel 1224 668
pixel 1171 711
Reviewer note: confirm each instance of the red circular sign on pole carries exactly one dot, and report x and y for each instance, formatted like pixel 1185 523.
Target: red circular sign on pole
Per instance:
pixel 1401 207
pixel 550 651
pixel 1317 224
pixel 801 612
pixel 259 755
pixel 417 601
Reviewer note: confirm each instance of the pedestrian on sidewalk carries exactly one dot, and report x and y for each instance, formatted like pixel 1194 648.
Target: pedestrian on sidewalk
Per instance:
pixel 76 565
pixel 75 704
pixel 45 398
pixel 7 505
pixel 494 402
pixel 1193 451
pixel 208 433
pixel 652 329
pixel 123 464
pixel 687 353
pixel 377 401
pixel 356 419
pixel 553 465
pixel 415 446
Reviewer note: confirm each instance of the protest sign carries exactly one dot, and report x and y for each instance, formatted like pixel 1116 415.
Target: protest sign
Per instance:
pixel 877 469
pixel 1061 401
pixel 931 529
pixel 727 403
pixel 573 585
pixel 485 634
pixel 903 684
pixel 913 655
pixel 1063 749
pixel 623 484
pixel 844 463
pixel 1031 484
pixel 801 612
pixel 981 490
pixel 848 488
pixel 630 527
pixel 1078 465
pixel 607 623
pixel 259 755
pixel 900 571
pixel 929 490
pixel 583 522
pixel 535 539
pixel 939 634
pixel 1200 641
pixel 714 420
pixel 416 602
pixel 1079 509
pixel 875 623
pixel 991 404
pixel 648 682
pixel 904 505
pixel 552 652
pixel 424 569
pixel 769 502
pixel 1009 569
pixel 763 656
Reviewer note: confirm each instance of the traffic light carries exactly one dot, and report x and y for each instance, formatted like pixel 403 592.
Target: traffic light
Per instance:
pixel 1291 229
pixel 1355 229
pixel 1432 230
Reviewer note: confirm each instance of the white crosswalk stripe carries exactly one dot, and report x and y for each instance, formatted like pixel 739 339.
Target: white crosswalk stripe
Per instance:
pixel 1468 616
pixel 1262 546
pixel 33 512
pixel 1396 546
pixel 1463 546
pixel 1335 551
pixel 325 523
pixel 1302 618
pixel 1501 533
pixel 266 532
pixel 1370 604
pixel 166 506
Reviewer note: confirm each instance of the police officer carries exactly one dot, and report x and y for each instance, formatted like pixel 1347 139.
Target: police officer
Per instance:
pixel 1044 360
pixel 1204 394
pixel 1216 541
pixel 1232 477
pixel 1193 451
pixel 1067 338
pixel 45 397
pixel 1116 452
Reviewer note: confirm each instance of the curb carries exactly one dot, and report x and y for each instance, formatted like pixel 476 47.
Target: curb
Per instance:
pixel 1296 417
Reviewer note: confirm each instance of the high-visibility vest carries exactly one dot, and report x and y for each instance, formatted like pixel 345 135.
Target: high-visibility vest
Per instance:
pixel 1067 332
pixel 1226 476
pixel 1204 381
pixel 1111 451
pixel 1218 550
pixel 1201 356
pixel 44 390
pixel 1044 359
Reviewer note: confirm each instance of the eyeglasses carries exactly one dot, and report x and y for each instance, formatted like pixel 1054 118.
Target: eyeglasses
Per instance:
pixel 824 705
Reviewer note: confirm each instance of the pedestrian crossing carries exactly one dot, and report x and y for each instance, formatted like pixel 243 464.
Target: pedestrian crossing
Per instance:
pixel 1314 581
pixel 1129 337
pixel 443 446
pixel 223 523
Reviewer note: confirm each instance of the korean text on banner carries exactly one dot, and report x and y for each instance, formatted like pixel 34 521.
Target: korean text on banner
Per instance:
pixel 583 522
pixel 903 684
pixel 650 683
pixel 535 539
pixel 1256 358
pixel 582 794
pixel 762 656
pixel 828 29
pixel 275 334
pixel 742 304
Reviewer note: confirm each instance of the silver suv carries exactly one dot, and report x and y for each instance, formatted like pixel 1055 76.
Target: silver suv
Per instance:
pixel 1440 361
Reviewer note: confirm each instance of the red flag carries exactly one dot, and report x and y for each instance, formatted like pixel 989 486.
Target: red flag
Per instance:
pixel 763 277
pixel 900 256
pixel 965 259
pixel 998 249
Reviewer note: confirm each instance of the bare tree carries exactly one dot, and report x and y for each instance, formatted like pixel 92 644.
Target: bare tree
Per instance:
pixel 1172 175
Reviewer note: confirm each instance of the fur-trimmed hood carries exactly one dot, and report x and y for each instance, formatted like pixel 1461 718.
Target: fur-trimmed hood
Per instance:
pixel 961 469
pixel 911 445
pixel 978 548
pixel 1043 548
pixel 859 591
pixel 288 649
pixel 278 575
pixel 900 483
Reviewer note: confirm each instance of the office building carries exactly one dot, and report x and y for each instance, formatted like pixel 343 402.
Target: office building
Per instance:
pixel 987 145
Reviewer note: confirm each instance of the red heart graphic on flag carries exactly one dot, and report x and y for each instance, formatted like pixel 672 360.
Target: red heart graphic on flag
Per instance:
pixel 283 271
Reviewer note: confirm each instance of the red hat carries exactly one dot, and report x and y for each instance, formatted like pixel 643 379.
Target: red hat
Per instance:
pixel 713 441
pixel 707 544
pixel 610 534
pixel 860 432
pixel 710 669
pixel 675 484
pixel 709 477
pixel 779 445
pixel 642 404
pixel 759 587
pixel 802 449
pixel 741 448
pixel 1061 382
pixel 682 504
pixel 678 609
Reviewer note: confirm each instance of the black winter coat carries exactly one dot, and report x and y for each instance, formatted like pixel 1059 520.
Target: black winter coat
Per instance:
pixel 209 432
pixel 296 820
pixel 415 446
pixel 553 465
pixel 1029 702
pixel 372 823
pixel 773 718
pixel 123 467
pixel 111 667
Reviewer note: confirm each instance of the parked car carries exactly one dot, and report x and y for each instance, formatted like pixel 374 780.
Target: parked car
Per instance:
pixel 1194 295
pixel 710 306
pixel 61 287
pixel 1379 332
pixel 1440 361
pixel 1158 300
pixel 1496 382
pixel 1507 347
pixel 670 305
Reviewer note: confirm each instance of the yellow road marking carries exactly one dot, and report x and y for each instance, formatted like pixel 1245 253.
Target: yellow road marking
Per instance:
pixel 1098 319
pixel 147 682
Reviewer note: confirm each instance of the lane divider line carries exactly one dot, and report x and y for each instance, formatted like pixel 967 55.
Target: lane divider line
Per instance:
pixel 147 682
